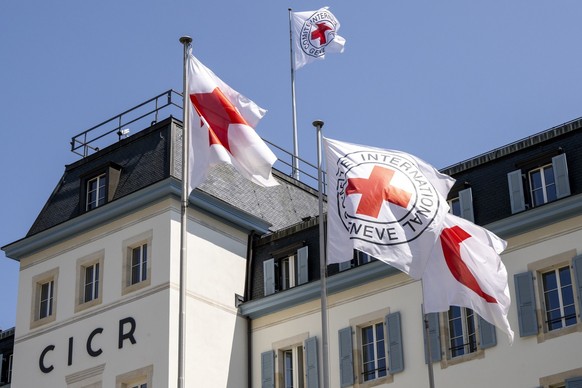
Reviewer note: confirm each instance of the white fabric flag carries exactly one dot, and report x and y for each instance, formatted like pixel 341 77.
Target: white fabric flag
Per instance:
pixel 221 127
pixel 386 203
pixel 466 270
pixel 314 34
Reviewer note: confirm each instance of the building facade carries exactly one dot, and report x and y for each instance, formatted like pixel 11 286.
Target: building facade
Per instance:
pixel 99 279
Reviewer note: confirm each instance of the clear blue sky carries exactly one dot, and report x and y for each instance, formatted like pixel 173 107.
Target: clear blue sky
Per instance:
pixel 443 80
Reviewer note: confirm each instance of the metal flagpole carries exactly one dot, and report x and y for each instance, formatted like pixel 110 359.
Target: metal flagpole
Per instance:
pixel 427 336
pixel 318 124
pixel 295 169
pixel 186 41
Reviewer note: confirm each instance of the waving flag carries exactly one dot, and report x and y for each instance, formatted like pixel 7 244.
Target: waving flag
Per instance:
pixel 465 270
pixel 221 125
pixel 385 203
pixel 314 34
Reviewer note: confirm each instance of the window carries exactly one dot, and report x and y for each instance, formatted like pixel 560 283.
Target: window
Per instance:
pixel 137 262
pixel 566 379
pixel 545 182
pixel 286 271
pixel 462 331
pixel 549 296
pixel 373 352
pixel 9 375
pixel 98 187
pixel 46 290
pixel 360 258
pixel 376 351
pixel 140 378
pixel 44 301
pixel 292 367
pixel 296 365
pixel 455 206
pixel 89 281
pixel 96 192
pixel 542 185
pixel 559 304
pixel 466 336
pixel 462 205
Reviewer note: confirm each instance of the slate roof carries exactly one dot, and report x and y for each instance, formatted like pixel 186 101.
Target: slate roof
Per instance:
pixel 153 155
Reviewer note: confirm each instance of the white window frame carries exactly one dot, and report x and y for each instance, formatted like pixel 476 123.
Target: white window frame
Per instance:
pixel 128 247
pixel 455 203
pixel 49 278
pixel 284 280
pixel 139 261
pixel 544 186
pixel 294 346
pixel 374 326
pixel 89 261
pixel 468 335
pixel 100 192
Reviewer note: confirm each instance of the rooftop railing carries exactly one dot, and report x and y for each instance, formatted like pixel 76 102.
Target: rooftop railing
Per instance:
pixel 148 113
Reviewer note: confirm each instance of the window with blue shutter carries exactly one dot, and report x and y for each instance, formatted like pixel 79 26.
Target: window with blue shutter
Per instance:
pixel 434 338
pixel 346 359
pixel 574 382
pixel 516 193
pixel 269 276
pixel 395 348
pixel 302 266
pixel 311 363
pixel 560 167
pixel 466 204
pixel 268 369
pixel 487 334
pixel 526 304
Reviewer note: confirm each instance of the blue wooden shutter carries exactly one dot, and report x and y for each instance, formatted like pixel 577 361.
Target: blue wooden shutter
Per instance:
pixel 346 359
pixel 311 363
pixel 466 202
pixel 574 382
pixel 526 304
pixel 433 336
pixel 395 351
pixel 560 167
pixel 268 369
pixel 487 334
pixel 269 276
pixel 302 266
pixel 577 263
pixel 516 196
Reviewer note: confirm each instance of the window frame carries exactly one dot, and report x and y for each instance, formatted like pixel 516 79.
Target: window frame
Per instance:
pixel 36 318
pixel 540 267
pixel 128 247
pixel 469 335
pixel 97 258
pixel 374 326
pixel 543 188
pixel 135 377
pixel 295 345
pixel 357 324
pixel 100 190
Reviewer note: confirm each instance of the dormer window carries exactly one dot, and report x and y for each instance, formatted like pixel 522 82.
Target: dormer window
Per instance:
pixel 96 192
pixel 98 187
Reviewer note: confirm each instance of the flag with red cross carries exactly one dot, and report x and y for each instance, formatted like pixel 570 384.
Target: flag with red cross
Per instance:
pixel 386 203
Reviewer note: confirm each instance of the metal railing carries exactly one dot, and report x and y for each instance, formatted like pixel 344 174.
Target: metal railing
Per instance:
pixel 169 104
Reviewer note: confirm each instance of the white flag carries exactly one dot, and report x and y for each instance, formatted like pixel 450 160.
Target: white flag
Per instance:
pixel 465 270
pixel 385 203
pixel 221 125
pixel 314 35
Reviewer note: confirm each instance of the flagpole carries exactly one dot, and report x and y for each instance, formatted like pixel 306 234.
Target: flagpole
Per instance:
pixel 318 124
pixel 295 170
pixel 427 335
pixel 186 41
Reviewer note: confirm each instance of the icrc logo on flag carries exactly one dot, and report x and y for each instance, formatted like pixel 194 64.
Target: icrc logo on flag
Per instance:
pixel 383 198
pixel 317 32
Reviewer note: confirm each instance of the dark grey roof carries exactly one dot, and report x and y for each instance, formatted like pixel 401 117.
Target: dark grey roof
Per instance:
pixel 153 155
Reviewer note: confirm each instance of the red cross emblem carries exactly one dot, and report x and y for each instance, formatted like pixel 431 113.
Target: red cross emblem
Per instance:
pixel 219 113
pixel 319 33
pixel 375 190
pixel 451 239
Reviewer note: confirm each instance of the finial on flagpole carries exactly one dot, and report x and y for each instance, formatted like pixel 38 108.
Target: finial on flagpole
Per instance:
pixel 318 124
pixel 185 39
